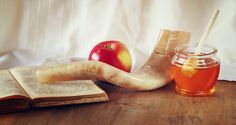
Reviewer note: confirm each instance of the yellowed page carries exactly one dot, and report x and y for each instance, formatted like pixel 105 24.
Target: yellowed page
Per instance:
pixel 27 79
pixel 9 86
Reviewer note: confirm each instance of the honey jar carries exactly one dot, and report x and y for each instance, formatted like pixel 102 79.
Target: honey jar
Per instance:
pixel 195 74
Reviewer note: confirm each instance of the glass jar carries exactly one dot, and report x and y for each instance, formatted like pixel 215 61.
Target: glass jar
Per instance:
pixel 195 74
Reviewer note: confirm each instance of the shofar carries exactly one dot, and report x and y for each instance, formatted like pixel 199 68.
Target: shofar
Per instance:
pixel 152 75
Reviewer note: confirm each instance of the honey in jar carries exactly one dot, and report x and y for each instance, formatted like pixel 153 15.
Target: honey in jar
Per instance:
pixel 201 74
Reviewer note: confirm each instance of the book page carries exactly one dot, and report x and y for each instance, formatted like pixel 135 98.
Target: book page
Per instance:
pixel 9 86
pixel 26 76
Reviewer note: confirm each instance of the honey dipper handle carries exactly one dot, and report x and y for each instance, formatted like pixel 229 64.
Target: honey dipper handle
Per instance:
pixel 207 31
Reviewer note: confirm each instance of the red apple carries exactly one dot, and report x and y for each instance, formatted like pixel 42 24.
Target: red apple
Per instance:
pixel 113 53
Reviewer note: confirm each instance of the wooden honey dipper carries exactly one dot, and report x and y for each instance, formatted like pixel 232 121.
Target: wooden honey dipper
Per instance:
pixel 188 68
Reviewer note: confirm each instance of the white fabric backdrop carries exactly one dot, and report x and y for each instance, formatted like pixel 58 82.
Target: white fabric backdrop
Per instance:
pixel 32 31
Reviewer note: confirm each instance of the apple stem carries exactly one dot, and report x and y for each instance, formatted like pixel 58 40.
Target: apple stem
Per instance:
pixel 108 47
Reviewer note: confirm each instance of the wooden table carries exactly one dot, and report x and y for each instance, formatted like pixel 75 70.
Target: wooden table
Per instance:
pixel 126 107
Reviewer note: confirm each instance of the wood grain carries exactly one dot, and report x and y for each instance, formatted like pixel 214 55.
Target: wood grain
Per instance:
pixel 128 107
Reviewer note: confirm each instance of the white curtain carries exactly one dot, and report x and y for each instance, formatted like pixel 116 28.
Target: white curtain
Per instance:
pixel 32 31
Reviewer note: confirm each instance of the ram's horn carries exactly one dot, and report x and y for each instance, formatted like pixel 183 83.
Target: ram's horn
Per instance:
pixel 152 75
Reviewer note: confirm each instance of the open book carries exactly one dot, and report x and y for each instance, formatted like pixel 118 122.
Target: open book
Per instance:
pixel 19 90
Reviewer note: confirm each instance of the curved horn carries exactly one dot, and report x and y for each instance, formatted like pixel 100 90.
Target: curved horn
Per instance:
pixel 152 75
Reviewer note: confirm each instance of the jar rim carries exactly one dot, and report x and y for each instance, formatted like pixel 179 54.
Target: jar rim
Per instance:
pixel 182 50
